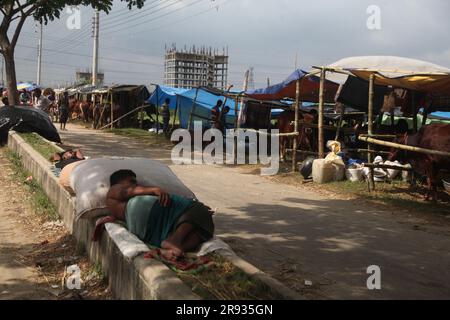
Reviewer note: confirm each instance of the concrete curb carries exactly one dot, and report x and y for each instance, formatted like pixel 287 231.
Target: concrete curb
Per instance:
pixel 140 278
pixel 137 279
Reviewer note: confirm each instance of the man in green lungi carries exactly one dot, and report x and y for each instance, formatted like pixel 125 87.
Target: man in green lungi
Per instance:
pixel 174 223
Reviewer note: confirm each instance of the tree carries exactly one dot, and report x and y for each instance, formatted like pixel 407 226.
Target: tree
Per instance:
pixel 16 12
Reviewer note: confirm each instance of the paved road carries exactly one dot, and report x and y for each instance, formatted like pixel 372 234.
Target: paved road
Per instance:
pixel 297 235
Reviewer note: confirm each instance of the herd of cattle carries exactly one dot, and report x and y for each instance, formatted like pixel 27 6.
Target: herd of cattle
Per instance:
pixel 98 114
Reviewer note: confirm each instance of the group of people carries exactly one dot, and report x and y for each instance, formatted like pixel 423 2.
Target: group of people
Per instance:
pixel 45 102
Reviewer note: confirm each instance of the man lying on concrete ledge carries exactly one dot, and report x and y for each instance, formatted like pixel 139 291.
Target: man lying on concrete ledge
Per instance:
pixel 173 223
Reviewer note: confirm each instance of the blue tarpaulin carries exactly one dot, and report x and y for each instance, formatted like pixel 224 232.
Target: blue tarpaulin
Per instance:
pixel 162 93
pixel 204 102
pixel 445 115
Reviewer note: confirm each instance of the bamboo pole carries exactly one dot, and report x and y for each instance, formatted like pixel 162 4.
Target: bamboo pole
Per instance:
pixel 125 115
pixel 379 136
pixel 141 117
pixel 366 151
pixel 404 147
pixel 294 139
pixel 414 110
pixel 175 114
pixel 341 116
pixel 370 130
pixel 313 153
pixel 103 109
pixel 157 110
pixel 112 111
pixel 321 105
pixel 386 166
pixel 192 109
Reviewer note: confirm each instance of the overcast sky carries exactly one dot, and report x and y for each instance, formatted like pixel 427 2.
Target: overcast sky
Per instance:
pixel 263 34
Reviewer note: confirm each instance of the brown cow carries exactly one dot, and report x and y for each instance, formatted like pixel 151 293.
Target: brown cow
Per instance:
pixel 74 108
pixel 306 140
pixel 85 107
pixel 435 137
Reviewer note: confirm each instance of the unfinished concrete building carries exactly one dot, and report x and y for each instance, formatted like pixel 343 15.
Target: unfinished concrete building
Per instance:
pixel 194 67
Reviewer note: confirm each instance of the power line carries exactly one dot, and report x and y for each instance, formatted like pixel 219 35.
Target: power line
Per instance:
pixel 153 19
pixel 65 65
pixel 112 17
pixel 139 12
pixel 90 56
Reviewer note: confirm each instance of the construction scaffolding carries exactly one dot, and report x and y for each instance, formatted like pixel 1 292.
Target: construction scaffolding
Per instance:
pixel 194 67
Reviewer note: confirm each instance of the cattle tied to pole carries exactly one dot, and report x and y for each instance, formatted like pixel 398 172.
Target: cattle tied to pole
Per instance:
pixel 431 137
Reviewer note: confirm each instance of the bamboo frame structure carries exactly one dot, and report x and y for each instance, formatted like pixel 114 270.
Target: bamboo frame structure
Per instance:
pixel 403 147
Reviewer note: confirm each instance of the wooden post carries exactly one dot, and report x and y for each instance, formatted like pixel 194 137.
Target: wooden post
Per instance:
pixel 414 110
pixel 424 117
pixel 141 117
pixel 294 139
pixel 370 130
pixel 157 110
pixel 321 107
pixel 192 109
pixel 341 116
pixel 237 125
pixel 175 114
pixel 236 115
pixel 112 111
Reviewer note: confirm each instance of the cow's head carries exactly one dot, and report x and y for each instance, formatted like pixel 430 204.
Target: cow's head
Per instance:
pixel 396 153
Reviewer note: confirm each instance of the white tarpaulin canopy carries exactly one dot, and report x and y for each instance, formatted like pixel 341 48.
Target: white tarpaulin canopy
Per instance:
pixel 394 71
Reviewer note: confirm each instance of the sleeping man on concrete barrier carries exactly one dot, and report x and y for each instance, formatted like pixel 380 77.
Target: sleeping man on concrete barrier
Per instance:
pixel 174 223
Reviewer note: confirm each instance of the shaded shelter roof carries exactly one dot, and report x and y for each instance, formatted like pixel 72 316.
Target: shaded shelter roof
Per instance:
pixel 309 89
pixel 394 71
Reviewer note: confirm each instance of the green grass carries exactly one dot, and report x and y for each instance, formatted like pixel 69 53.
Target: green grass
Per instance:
pixel 224 281
pixel 159 140
pixel 40 145
pixel 39 200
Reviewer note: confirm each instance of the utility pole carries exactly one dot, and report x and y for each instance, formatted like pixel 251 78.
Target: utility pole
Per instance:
pixel 95 51
pixel 38 81
pixel 251 79
pixel 244 88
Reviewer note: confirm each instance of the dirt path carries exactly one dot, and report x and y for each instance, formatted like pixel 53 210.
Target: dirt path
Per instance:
pixel 35 252
pixel 296 234
pixel 18 280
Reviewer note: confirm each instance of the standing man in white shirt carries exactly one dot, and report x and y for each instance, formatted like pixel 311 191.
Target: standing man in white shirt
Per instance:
pixel 40 101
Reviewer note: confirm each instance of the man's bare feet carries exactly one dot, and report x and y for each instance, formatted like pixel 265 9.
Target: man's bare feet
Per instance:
pixel 169 255
pixel 170 246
